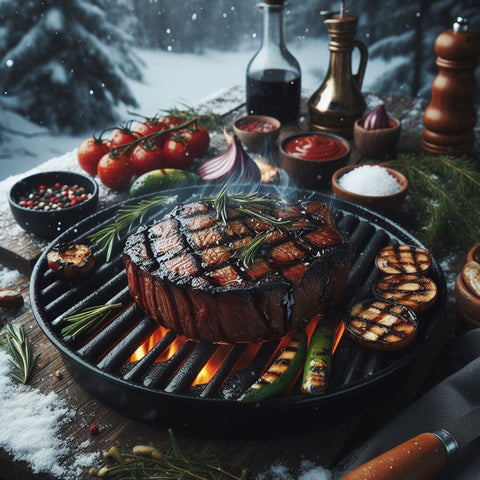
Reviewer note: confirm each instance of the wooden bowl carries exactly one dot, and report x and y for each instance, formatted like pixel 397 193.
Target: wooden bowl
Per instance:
pixel 316 172
pixel 49 224
pixel 378 143
pixel 467 304
pixel 474 254
pixel 383 204
pixel 257 142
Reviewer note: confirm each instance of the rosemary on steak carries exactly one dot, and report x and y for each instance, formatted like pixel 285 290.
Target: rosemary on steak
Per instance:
pixel 255 206
pixel 88 320
pixel 19 348
pixel 149 463
pixel 446 194
pixel 105 238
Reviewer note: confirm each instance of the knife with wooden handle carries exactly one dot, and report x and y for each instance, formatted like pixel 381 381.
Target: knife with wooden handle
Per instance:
pixel 421 457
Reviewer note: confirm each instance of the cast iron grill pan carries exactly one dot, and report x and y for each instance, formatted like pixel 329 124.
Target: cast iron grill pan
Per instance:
pixel 161 392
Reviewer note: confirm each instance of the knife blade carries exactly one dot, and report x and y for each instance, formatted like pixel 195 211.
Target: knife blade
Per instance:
pixel 421 457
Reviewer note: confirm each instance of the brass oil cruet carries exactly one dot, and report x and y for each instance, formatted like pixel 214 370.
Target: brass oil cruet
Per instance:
pixel 338 102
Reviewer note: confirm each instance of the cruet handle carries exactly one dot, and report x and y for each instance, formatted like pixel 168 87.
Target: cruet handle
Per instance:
pixel 358 77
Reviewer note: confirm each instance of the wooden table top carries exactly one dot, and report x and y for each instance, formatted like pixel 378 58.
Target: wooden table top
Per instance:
pixel 321 445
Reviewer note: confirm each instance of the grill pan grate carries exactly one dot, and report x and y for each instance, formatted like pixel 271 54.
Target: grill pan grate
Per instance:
pixel 162 390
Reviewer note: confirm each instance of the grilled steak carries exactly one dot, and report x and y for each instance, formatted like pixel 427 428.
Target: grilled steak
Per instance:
pixel 186 270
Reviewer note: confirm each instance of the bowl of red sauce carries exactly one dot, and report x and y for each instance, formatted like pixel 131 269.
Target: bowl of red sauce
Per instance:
pixel 311 158
pixel 258 133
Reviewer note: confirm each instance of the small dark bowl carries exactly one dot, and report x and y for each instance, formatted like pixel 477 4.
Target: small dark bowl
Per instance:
pixel 50 224
pixel 257 142
pixel 312 173
pixel 383 204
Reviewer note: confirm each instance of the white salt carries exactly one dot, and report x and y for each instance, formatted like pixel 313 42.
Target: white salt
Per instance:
pixel 370 180
pixel 31 423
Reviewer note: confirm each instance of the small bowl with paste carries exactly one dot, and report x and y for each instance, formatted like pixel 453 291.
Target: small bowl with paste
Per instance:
pixel 379 188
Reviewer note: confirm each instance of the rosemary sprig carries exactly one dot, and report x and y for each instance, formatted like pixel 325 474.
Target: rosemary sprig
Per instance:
pixel 249 203
pixel 20 350
pixel 88 320
pixel 187 113
pixel 250 251
pixel 253 205
pixel 446 195
pixel 149 463
pixel 105 238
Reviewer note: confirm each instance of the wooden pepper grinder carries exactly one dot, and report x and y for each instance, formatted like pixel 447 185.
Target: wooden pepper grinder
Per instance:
pixel 451 116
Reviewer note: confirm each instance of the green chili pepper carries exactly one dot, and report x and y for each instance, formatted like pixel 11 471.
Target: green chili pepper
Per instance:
pixel 281 372
pixel 162 179
pixel 319 358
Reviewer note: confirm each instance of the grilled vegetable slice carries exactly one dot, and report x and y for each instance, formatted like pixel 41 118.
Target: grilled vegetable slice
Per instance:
pixel 471 277
pixel 319 358
pixel 415 291
pixel 396 259
pixel 281 372
pixel 381 325
pixel 70 261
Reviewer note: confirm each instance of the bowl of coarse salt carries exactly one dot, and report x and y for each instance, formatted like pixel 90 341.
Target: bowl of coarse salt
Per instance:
pixel 379 188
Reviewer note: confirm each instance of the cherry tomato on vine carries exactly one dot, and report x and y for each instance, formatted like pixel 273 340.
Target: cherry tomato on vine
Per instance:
pixel 171 121
pixel 199 140
pixel 145 157
pixel 121 136
pixel 89 153
pixel 178 153
pixel 114 171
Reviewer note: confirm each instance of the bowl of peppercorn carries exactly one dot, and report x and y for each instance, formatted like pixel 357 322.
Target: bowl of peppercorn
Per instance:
pixel 48 203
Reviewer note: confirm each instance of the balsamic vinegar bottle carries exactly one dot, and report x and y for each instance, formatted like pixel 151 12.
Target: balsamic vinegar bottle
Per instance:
pixel 273 75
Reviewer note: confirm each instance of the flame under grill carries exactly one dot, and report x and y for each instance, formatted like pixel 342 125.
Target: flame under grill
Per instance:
pixel 148 372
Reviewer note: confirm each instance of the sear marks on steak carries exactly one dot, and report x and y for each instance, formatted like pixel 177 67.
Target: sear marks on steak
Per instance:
pixel 184 271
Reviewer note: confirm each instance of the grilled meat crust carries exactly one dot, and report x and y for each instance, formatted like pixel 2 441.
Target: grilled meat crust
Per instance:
pixel 185 273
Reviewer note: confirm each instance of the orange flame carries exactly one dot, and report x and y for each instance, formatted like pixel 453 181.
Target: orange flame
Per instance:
pixel 222 351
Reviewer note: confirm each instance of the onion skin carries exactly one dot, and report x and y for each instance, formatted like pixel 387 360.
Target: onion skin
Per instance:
pixel 233 164
pixel 377 119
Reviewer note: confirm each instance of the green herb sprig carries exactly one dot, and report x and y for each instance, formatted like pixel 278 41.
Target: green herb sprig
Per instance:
pixel 249 203
pixel 149 463
pixel 19 348
pixel 126 216
pixel 208 119
pixel 254 205
pixel 446 194
pixel 88 320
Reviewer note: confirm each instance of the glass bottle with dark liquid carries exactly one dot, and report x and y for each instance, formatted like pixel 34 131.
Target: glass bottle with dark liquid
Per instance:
pixel 273 75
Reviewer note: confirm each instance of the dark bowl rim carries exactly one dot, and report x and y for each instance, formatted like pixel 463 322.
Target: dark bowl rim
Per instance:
pixel 341 171
pixel 342 140
pixel 275 122
pixel 17 184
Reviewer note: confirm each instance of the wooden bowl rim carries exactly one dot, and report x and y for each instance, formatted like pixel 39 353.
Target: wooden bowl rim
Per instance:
pixel 403 180
pixel 359 126
pixel 342 140
pixel 264 118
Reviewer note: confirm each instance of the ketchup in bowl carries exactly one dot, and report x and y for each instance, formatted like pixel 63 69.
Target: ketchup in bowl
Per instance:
pixel 315 147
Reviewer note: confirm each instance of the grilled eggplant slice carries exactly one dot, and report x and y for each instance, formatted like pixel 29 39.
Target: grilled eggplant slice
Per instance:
pixel 415 291
pixel 381 325
pixel 281 373
pixel 471 277
pixel 398 259
pixel 70 261
pixel 319 358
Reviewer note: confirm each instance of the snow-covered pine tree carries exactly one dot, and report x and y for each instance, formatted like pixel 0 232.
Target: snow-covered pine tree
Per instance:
pixel 63 63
